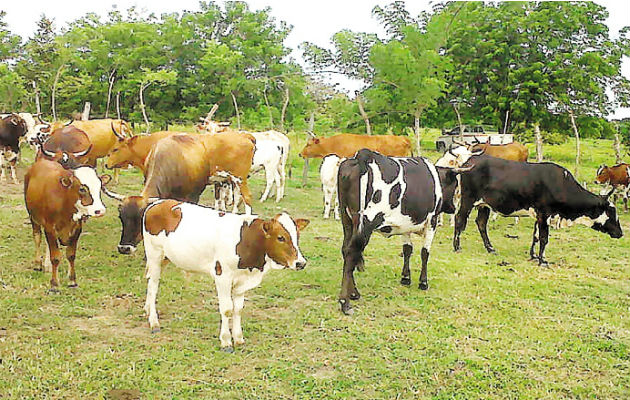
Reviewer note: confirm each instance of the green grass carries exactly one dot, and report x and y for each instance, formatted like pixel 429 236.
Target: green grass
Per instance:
pixel 490 326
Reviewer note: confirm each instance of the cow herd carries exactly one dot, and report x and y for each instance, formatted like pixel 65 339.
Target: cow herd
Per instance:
pixel 371 183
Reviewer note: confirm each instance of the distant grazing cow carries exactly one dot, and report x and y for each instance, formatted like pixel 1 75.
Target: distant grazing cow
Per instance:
pixel 618 177
pixel 59 198
pixel 237 255
pixel 512 151
pixel 12 128
pixel 548 189
pixel 392 196
pixel 347 144
pixel 179 167
pixel 328 175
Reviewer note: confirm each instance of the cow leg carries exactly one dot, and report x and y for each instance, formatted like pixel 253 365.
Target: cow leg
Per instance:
pixel 327 202
pixel 269 177
pixel 37 238
pixel 247 196
pixel 543 231
pixel 625 200
pixel 278 181
pixel 335 203
pixel 532 250
pixel 116 175
pixel 429 234
pixel 218 198
pixel 55 257
pixel 12 165
pixel 3 177
pixel 154 269
pixel 348 285
pixel 236 198
pixel 482 224
pixel 226 308
pixel 71 252
pixel 237 330
pixel 407 250
pixel 461 218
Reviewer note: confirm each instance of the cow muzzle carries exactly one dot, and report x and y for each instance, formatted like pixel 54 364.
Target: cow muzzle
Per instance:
pixel 126 249
pixel 300 265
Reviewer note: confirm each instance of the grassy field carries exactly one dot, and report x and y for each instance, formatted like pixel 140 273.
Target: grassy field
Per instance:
pixel 490 326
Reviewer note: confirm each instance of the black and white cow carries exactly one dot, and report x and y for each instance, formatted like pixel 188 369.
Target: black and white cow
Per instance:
pixel 545 190
pixel 392 196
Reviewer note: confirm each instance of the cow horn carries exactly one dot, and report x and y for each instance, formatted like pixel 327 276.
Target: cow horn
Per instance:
pixel 478 153
pixel 311 134
pixel 46 152
pixel 69 122
pixel 461 170
pixel 39 117
pixel 118 135
pixel 111 194
pixel 82 153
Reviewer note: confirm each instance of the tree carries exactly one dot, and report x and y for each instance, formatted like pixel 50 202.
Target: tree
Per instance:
pixel 9 43
pixel 148 78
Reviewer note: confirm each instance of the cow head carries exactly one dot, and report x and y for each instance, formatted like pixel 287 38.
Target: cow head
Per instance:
pixel 606 219
pixel 281 235
pixel 603 174
pixel 86 184
pixel 456 157
pixel 70 140
pixel 130 212
pixel 122 153
pixel 313 148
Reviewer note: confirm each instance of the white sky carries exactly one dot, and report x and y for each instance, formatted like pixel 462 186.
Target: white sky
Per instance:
pixel 313 21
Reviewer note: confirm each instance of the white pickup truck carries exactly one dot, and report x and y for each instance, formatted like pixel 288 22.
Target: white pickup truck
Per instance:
pixel 472 134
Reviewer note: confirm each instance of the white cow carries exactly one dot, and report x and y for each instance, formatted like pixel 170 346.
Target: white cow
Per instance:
pixel 268 154
pixel 237 255
pixel 328 175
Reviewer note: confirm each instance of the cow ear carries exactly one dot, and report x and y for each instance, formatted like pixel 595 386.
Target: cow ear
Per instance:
pixel 105 179
pixel 301 223
pixel 266 227
pixel 65 181
pixel 316 140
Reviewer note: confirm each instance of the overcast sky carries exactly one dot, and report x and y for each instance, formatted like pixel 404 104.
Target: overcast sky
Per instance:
pixel 314 21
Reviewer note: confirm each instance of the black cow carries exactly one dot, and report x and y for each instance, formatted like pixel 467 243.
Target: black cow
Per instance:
pixel 12 128
pixel 546 189
pixel 392 196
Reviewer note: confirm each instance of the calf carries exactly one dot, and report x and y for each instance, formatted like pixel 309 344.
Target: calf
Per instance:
pixel 237 255
pixel 390 195
pixel 546 188
pixel 58 199
pixel 268 155
pixel 618 177
pixel 328 175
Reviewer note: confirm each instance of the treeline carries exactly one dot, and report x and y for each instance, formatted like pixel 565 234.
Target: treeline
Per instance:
pixel 516 66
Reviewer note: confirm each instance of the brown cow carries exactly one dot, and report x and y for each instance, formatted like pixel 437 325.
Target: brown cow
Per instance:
pixel 512 151
pixel 179 167
pixel 619 177
pixel 347 144
pixel 135 150
pixel 58 199
pixel 12 128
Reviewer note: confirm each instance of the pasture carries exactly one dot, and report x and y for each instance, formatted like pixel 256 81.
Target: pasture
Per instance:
pixel 490 326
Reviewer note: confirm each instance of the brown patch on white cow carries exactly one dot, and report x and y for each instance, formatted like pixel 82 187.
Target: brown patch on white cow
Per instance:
pixel 218 269
pixel 251 248
pixel 165 216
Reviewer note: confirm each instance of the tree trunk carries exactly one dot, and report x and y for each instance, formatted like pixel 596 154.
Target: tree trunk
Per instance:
pixel 238 117
pixel 112 78
pixel 311 126
pixel 459 123
pixel 539 143
pixel 617 146
pixel 118 105
pixel 577 145
pixel 38 106
pixel 54 91
pixel 285 104
pixel 368 127
pixel 416 129
pixel 85 115
pixel 268 108
pixel 143 107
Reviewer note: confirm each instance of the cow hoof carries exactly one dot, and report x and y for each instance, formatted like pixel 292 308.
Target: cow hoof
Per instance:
pixel 227 349
pixel 73 285
pixel 345 307
pixel 155 330
pixel 405 281
pixel 355 295
pixel 423 285
pixel 53 290
pixel 543 263
pixel 491 250
pixel 38 269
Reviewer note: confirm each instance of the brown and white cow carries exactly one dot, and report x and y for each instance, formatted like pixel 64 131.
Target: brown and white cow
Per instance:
pixel 180 167
pixel 12 128
pixel 59 198
pixel 617 176
pixel 347 144
pixel 237 256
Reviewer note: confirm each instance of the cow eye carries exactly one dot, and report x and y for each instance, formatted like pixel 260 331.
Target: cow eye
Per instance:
pixel 82 189
pixel 280 239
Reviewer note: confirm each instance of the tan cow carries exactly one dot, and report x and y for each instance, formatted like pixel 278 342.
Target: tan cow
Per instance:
pixel 512 151
pixel 347 144
pixel 134 150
